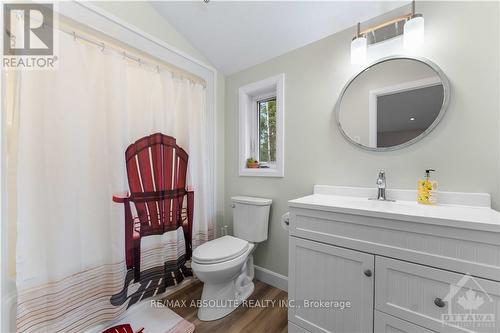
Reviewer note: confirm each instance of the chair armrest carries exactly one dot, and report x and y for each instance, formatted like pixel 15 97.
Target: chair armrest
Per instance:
pixel 121 197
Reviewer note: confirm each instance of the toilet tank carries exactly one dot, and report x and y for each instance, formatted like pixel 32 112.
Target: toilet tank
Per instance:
pixel 250 218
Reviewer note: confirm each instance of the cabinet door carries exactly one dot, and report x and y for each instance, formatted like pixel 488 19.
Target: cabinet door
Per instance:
pixel 330 288
pixel 385 323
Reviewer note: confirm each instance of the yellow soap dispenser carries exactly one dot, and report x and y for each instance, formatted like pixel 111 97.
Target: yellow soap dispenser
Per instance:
pixel 427 189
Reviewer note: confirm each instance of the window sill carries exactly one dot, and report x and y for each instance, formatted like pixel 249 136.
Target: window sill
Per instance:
pixel 260 172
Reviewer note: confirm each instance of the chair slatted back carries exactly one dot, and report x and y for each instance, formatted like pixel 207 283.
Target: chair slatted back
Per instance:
pixel 156 170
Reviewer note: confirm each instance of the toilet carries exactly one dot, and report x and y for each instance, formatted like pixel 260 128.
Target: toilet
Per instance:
pixel 225 264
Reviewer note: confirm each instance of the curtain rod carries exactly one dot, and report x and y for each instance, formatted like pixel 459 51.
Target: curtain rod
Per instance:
pixel 103 46
pixel 126 55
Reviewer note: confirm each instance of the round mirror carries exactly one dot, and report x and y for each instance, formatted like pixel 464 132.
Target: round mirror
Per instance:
pixel 393 103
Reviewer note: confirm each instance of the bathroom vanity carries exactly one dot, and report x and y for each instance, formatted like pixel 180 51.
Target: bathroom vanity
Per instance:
pixel 402 266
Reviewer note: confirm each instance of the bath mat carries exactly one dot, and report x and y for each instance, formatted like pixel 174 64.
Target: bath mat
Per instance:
pixel 154 320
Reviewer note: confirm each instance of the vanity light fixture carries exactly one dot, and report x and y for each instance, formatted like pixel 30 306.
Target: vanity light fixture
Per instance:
pixel 413 35
pixel 411 26
pixel 412 118
pixel 358 48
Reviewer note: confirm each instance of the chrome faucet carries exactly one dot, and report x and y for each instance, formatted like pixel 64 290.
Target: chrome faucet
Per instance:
pixel 381 184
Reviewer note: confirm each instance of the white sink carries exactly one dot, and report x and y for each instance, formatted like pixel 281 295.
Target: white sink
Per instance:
pixel 462 210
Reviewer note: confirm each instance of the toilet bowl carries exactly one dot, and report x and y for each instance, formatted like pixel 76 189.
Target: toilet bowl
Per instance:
pixel 227 282
pixel 225 264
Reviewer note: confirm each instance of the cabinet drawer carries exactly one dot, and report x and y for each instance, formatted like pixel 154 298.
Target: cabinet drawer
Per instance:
pixel 385 323
pixel 292 328
pixel 437 299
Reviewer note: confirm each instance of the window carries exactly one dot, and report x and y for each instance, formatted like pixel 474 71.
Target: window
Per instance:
pixel 266 138
pixel 261 128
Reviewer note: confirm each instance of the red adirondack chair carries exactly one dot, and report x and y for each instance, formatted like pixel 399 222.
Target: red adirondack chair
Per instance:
pixel 156 170
pixel 123 328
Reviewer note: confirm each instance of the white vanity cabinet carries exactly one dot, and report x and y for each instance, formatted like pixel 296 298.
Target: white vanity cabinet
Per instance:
pixel 402 267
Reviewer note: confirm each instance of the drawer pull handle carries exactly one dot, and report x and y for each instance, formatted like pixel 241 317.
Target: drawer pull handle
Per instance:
pixel 368 272
pixel 439 302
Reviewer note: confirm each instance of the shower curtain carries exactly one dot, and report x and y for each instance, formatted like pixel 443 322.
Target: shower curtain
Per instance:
pixel 74 125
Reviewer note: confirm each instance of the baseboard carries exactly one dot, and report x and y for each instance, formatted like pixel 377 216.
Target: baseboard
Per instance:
pixel 271 278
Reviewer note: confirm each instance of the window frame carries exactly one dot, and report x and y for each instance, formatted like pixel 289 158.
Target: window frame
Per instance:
pixel 249 96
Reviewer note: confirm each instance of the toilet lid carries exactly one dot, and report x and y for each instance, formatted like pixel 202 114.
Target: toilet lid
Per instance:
pixel 218 250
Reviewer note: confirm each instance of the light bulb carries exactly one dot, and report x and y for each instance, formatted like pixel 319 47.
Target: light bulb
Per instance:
pixel 414 32
pixel 358 50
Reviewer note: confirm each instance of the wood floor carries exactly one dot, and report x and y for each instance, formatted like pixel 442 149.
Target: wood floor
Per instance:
pixel 272 319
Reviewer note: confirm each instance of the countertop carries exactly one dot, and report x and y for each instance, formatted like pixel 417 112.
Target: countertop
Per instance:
pixel 456 215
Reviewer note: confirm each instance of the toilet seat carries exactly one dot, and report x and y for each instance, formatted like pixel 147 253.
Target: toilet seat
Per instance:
pixel 220 250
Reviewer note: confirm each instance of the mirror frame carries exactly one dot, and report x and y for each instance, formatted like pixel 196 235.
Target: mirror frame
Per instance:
pixel 444 106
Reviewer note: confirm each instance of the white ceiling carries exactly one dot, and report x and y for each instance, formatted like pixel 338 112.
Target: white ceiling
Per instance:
pixel 237 35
